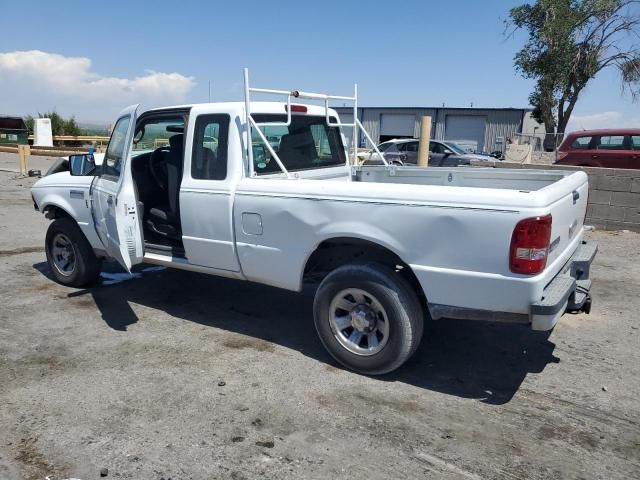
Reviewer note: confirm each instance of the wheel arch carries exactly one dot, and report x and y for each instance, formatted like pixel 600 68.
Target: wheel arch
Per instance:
pixel 335 251
pixel 53 211
pixel 55 206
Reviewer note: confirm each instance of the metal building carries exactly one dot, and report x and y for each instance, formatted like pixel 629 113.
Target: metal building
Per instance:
pixel 479 129
pixel 13 130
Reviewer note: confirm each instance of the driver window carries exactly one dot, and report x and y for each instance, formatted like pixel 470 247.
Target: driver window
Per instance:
pixel 610 142
pixel 113 157
pixel 412 146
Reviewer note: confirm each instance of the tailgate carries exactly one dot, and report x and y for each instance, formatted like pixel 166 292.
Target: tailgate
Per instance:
pixel 568 218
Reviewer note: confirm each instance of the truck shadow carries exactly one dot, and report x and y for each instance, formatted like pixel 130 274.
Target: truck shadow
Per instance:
pixel 485 361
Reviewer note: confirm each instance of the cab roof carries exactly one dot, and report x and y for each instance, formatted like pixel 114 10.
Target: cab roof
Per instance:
pixel 256 107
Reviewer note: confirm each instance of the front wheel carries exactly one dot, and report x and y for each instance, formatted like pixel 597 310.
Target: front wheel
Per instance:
pixel 368 318
pixel 69 254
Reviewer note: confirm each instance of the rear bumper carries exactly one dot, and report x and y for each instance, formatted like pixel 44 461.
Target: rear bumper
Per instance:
pixel 568 291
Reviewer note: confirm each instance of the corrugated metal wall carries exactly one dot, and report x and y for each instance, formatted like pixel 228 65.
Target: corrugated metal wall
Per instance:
pixel 370 118
pixel 502 123
pixel 346 116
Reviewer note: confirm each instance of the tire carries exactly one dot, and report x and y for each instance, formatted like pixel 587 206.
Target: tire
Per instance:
pixel 389 302
pixel 69 254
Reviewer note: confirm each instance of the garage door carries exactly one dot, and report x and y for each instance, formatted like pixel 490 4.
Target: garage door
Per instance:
pixel 397 125
pixel 467 129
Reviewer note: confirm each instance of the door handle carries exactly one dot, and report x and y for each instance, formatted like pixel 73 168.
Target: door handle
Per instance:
pixel 594 156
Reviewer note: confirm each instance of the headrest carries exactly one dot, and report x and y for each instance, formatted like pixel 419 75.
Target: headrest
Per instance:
pixel 176 142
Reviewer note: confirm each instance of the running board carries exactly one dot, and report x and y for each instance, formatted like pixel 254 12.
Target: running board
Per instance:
pixel 183 264
pixel 176 252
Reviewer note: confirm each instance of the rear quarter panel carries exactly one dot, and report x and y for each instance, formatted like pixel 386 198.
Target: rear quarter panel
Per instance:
pixel 455 239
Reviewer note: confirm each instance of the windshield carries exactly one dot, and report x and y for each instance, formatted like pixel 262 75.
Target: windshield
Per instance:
pixel 305 144
pixel 456 148
pixel 383 147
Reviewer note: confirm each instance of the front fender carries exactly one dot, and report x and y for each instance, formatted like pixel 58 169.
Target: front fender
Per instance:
pixel 71 195
pixel 53 200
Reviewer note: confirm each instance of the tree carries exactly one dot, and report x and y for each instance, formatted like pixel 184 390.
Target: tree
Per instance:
pixel 28 121
pixel 71 127
pixel 570 42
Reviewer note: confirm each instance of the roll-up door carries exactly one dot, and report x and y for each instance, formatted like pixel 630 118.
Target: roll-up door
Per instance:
pixel 469 128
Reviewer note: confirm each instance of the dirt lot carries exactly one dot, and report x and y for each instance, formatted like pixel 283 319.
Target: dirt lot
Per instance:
pixel 183 376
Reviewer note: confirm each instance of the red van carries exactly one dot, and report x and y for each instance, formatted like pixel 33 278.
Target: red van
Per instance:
pixel 614 148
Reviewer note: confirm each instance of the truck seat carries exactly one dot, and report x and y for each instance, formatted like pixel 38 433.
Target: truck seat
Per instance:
pixel 297 149
pixel 165 219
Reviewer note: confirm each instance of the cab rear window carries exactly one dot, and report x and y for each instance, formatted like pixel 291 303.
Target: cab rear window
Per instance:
pixel 307 143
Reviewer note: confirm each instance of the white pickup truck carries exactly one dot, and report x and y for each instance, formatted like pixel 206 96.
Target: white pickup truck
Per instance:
pixel 189 187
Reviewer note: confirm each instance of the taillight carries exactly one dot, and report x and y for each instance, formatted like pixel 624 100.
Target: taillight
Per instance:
pixel 562 155
pixel 530 245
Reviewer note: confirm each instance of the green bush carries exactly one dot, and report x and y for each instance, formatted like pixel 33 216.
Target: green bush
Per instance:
pixel 59 125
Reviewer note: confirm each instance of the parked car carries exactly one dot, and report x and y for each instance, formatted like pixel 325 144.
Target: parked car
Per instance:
pixel 405 152
pixel 386 247
pixel 611 148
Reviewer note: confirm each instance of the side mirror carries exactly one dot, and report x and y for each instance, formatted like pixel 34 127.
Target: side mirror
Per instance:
pixel 82 165
pixel 448 152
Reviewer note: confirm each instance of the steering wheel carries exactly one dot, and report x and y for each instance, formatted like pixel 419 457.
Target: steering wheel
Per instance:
pixel 158 166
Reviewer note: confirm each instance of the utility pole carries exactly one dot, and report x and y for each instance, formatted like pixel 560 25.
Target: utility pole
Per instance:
pixel 209 91
pixel 423 145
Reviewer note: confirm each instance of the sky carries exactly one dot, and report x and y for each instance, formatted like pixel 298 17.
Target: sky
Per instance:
pixel 91 59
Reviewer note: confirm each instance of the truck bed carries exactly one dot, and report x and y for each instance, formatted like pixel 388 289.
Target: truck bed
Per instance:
pixel 522 180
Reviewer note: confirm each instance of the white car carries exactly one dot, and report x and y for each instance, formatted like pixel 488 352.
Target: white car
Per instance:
pixel 387 246
pixel 404 151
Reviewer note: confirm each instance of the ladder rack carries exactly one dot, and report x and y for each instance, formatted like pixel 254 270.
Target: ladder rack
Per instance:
pixel 250 122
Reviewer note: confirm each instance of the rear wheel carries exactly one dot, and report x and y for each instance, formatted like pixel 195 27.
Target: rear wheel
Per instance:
pixel 69 254
pixel 368 318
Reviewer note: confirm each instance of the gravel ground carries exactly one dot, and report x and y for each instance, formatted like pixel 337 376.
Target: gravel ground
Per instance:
pixel 179 375
pixel 9 162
